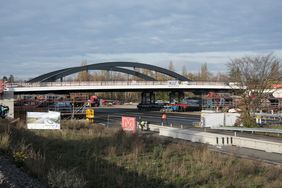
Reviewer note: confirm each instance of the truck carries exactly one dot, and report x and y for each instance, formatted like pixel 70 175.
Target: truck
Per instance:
pixel 187 104
pixel 94 101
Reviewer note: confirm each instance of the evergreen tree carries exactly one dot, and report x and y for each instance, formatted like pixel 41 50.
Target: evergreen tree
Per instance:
pixel 11 78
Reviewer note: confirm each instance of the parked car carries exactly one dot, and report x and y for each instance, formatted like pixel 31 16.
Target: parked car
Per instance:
pixel 62 106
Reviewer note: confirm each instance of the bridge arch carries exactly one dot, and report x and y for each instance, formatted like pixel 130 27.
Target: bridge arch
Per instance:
pixel 111 66
pixel 53 76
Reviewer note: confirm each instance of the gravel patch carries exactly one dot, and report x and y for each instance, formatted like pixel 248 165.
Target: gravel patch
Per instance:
pixel 14 177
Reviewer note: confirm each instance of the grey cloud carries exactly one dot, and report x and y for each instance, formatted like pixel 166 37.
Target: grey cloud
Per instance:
pixel 61 31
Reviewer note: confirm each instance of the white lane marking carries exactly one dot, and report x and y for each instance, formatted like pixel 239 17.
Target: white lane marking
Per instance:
pixel 102 124
pixel 174 117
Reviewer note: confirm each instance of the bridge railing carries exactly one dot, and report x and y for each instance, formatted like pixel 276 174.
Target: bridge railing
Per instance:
pixel 111 83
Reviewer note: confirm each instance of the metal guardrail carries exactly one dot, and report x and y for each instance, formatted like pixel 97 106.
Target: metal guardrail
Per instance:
pixel 262 130
pixel 267 115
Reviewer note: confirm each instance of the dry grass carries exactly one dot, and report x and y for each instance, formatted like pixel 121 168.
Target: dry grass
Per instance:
pixel 94 156
pixel 4 135
pixel 63 178
pixel 4 141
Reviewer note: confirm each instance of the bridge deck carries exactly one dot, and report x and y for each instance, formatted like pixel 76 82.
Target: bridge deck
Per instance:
pixel 116 85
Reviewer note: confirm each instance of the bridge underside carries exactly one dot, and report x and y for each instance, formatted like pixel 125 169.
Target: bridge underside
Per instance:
pixel 109 66
pixel 79 90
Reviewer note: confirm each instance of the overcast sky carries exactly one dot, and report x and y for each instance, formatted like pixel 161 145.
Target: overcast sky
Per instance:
pixel 37 36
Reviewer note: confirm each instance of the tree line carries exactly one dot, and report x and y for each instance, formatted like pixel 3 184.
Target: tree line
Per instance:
pixel 254 75
pixel 202 75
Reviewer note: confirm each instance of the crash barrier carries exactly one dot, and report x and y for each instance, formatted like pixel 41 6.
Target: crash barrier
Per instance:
pixel 268 146
pixel 218 139
pixel 155 128
pixel 268 119
pixel 196 136
pixel 252 130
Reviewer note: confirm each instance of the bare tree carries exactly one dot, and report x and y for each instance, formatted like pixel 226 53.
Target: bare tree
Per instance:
pixel 84 75
pixel 204 74
pixel 184 71
pixel 171 66
pixel 254 75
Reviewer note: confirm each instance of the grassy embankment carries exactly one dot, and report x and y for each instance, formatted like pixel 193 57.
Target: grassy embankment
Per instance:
pixel 101 157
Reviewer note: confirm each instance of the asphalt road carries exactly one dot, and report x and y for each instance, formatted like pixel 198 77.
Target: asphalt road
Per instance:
pixel 112 116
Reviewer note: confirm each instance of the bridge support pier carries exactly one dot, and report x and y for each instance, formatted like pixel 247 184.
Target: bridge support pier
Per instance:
pixel 148 102
pixel 148 97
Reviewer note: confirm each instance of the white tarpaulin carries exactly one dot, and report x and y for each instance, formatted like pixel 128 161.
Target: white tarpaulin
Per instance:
pixel 212 120
pixel 218 119
pixel 43 120
pixel 277 93
pixel 231 118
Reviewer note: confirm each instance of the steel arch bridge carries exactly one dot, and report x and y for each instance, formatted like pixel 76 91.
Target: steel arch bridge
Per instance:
pixel 109 66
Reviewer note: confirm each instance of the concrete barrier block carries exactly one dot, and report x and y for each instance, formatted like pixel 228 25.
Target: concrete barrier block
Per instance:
pixel 218 139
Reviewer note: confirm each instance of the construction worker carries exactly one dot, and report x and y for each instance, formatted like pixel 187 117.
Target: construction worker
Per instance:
pixel 142 125
pixel 164 118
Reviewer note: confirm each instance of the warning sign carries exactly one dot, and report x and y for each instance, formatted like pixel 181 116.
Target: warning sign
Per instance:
pixel 90 113
pixel 43 120
pixel 128 124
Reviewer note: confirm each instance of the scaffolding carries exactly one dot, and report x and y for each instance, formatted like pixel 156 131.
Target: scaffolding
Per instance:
pixel 218 101
pixel 71 105
pixel 225 101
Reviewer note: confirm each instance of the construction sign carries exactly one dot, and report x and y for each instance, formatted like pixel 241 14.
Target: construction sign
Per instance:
pixel 43 120
pixel 128 124
pixel 90 114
